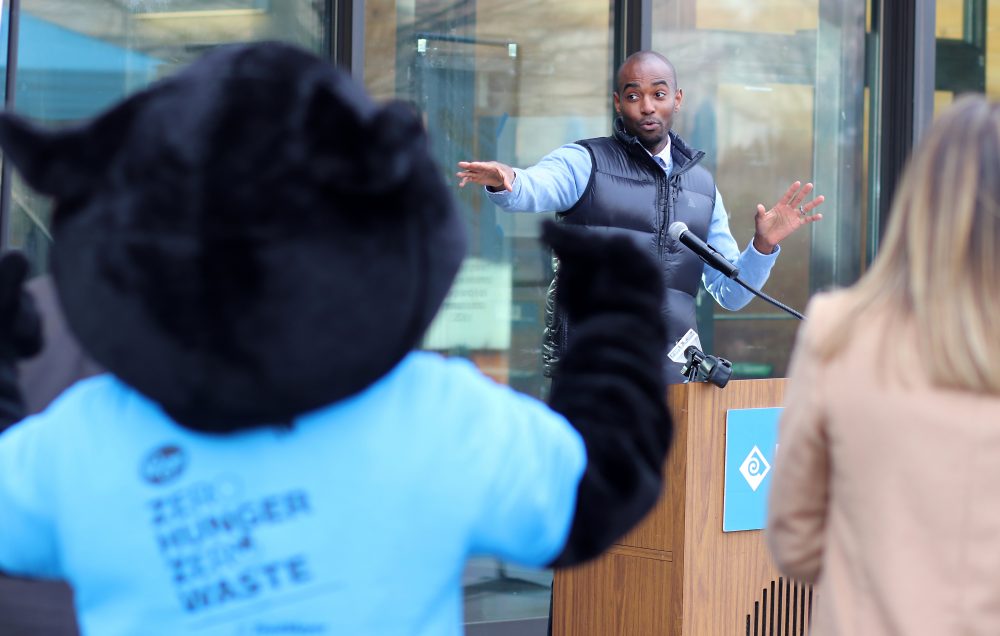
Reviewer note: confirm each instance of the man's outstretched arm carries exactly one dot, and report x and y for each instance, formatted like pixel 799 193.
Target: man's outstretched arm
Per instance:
pixel 555 183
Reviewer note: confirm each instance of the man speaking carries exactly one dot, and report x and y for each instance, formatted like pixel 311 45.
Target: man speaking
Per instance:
pixel 637 182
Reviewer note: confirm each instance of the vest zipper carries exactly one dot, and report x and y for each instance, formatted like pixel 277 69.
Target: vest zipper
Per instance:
pixel 673 191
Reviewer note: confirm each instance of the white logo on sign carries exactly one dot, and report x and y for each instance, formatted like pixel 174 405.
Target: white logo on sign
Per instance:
pixel 755 468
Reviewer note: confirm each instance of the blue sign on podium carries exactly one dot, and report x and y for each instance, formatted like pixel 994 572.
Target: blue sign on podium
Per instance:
pixel 751 441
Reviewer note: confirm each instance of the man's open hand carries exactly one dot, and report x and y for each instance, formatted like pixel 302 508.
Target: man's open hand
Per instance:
pixel 494 175
pixel 788 214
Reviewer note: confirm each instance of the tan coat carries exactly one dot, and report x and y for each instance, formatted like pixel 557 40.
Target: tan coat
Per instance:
pixel 886 491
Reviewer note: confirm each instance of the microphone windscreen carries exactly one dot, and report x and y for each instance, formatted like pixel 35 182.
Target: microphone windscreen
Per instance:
pixel 676 229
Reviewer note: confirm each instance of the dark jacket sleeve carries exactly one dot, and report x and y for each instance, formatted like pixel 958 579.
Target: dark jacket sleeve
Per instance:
pixel 609 383
pixel 20 334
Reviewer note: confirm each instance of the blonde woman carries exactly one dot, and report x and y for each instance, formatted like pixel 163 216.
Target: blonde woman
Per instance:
pixel 886 490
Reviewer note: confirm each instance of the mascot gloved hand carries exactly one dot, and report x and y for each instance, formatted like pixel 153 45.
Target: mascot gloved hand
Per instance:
pixel 253 249
pixel 20 333
pixel 609 382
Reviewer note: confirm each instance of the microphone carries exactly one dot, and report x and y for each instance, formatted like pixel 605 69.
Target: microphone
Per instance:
pixel 679 231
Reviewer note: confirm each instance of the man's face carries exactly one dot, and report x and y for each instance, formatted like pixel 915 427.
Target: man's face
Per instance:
pixel 647 98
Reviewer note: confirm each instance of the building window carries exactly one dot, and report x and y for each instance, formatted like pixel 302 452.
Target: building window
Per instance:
pixel 77 57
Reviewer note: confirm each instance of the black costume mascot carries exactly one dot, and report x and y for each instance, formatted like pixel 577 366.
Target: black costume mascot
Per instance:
pixel 253 249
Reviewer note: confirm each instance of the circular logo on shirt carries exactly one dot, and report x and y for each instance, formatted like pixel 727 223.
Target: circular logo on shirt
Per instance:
pixel 164 464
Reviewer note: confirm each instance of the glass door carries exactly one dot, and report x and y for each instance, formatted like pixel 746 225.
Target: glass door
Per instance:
pixel 506 81
pixel 967 49
pixel 774 92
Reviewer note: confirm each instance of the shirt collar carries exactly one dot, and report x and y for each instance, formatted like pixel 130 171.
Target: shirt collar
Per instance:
pixel 664 155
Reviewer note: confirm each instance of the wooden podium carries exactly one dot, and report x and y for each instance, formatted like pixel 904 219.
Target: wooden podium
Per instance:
pixel 678 573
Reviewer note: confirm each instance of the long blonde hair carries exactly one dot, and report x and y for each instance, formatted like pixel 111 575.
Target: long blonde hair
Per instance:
pixel 938 267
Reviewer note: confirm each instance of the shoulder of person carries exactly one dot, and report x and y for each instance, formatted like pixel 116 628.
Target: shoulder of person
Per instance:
pixel 823 312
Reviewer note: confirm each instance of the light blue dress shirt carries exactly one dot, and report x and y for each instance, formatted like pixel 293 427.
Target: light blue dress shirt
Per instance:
pixel 558 181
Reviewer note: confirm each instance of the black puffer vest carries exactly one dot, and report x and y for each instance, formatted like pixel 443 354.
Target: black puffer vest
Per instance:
pixel 630 194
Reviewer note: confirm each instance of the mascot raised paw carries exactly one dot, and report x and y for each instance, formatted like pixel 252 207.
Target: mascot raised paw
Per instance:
pixel 253 250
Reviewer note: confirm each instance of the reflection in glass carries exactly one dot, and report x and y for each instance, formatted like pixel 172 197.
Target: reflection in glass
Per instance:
pixel 200 6
pixel 967 49
pixel 76 57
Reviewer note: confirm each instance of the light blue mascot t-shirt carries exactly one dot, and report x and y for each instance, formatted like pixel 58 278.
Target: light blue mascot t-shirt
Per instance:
pixel 357 521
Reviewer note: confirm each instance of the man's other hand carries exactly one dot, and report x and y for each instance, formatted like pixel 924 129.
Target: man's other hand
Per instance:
pixel 788 214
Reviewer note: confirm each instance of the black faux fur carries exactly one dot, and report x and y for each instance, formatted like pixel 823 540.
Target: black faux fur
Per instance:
pixel 609 383
pixel 20 334
pixel 249 239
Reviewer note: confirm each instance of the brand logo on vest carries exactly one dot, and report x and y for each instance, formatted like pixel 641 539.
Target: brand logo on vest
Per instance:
pixel 755 468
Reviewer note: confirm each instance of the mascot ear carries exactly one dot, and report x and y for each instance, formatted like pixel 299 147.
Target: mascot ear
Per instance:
pixel 65 163
pixel 33 152
pixel 359 146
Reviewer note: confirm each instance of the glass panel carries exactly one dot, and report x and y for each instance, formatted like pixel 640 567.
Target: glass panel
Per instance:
pixel 76 57
pixel 202 7
pixel 773 93
pixel 962 54
pixel 967 56
pixel 948 19
pixel 510 82
pixel 992 19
